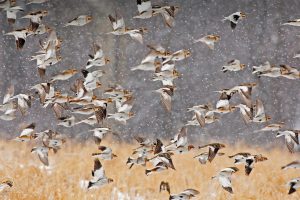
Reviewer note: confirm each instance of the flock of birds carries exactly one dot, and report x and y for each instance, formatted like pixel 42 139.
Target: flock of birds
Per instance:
pixel 161 63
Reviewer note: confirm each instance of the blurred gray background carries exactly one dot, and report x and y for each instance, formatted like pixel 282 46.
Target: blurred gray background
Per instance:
pixel 258 38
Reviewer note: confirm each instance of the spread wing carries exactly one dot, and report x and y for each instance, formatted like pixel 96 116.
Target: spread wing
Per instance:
pixel 144 5
pixel 167 101
pixel 225 181
pixel 9 93
pixel 117 23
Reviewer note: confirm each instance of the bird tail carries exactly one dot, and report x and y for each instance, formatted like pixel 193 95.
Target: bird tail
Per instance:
pixel 225 18
pixel 134 68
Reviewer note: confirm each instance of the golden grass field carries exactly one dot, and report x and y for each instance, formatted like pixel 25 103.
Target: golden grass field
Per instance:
pixel 74 163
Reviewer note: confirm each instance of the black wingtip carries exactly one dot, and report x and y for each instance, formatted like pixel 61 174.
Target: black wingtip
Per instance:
pixel 292 190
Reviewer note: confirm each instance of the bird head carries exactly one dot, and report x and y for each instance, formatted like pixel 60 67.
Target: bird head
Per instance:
pixel 190 147
pixel 243 15
pixel 187 53
pixel 109 100
pixel 48 29
pixel 242 66
pixel 98 84
pixel 107 60
pixel 110 180
pixel 157 64
pixel 89 18
pixel 59 58
pixel 45 12
pixel 176 73
pixel 144 30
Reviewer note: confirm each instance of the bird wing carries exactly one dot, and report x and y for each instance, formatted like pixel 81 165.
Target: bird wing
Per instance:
pixel 158 147
pixel 99 53
pixel 58 110
pixel 259 108
pixel 100 113
pixel 225 181
pixel 9 93
pixel 190 192
pixel 144 5
pixel 182 137
pixel 200 118
pixel 137 36
pixel 117 23
pixel 289 143
pixel 169 20
pixel 167 101
pixel 43 156
pixel 98 172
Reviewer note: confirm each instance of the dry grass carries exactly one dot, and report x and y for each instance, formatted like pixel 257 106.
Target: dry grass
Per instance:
pixel 74 163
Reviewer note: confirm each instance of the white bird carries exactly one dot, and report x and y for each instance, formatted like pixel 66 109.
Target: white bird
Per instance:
pixel 147 66
pixel 20 36
pixel 67 121
pixel 90 121
pixel 291 138
pixel 5 184
pixel 91 79
pixel 99 134
pixel 121 116
pixel 209 40
pixel 145 9
pixel 119 28
pixel 11 13
pixel 184 195
pixel 234 66
pixel 44 90
pixel 224 178
pixel 272 127
pixel 35 19
pixel 262 68
pixel 246 113
pixel 203 157
pixel 81 20
pixel 98 59
pixel 24 102
pixel 259 113
pixel 99 178
pixel 293 185
pixel 105 154
pixel 234 18
pixel 166 94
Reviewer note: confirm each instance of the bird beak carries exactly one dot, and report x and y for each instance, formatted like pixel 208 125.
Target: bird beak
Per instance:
pixel 243 15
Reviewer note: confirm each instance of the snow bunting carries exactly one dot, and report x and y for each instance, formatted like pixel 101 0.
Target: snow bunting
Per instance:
pixel 224 178
pixel 81 20
pixel 234 18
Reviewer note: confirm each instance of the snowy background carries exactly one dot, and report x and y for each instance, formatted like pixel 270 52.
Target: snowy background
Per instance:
pixel 258 38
